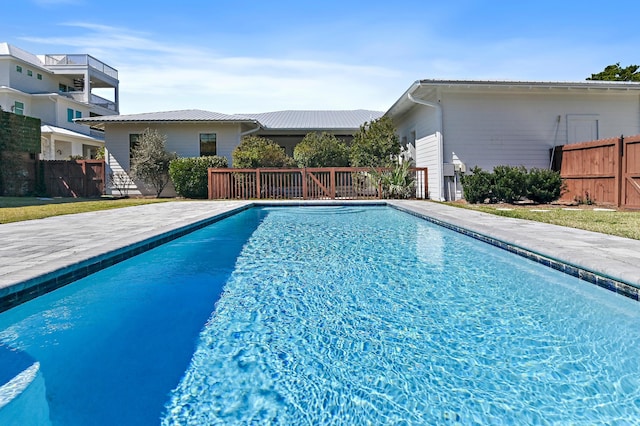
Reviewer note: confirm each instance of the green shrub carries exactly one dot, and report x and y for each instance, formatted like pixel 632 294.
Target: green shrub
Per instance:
pixel 478 186
pixel 509 183
pixel 255 151
pixel 321 150
pixel 189 175
pixel 544 186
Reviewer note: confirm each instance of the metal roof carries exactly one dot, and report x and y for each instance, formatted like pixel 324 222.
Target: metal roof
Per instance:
pixel 278 120
pixel 347 119
pixel 181 115
pixel 49 129
pixel 421 88
pixel 7 49
pixel 600 84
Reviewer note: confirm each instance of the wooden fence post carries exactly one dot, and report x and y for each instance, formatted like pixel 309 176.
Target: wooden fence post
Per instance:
pixel 619 161
pixel 305 188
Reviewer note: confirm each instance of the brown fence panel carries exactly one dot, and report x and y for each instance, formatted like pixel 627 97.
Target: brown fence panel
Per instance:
pixel 311 183
pixel 591 171
pixel 630 181
pixel 606 171
pixel 74 178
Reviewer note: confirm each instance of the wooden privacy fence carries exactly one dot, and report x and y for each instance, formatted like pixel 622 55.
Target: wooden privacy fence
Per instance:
pixel 306 183
pixel 605 171
pixel 75 178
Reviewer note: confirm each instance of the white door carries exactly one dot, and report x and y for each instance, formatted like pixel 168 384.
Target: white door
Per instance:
pixel 582 128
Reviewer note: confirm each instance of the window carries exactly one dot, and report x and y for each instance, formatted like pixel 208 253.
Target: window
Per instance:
pixel 39 76
pixel 207 144
pixel 18 68
pixel 18 108
pixel 78 114
pixel 30 73
pixel 133 143
pixel 69 115
pixel 62 88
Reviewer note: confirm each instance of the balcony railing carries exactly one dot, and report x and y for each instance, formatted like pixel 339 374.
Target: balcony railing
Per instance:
pixel 307 184
pixel 87 60
pixel 93 100
pixel 105 103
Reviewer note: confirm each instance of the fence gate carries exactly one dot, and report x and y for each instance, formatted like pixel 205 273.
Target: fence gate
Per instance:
pixel 75 178
pixel 606 171
pixel 630 196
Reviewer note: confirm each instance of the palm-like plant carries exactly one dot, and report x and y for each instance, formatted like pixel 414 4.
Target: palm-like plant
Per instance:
pixel 398 182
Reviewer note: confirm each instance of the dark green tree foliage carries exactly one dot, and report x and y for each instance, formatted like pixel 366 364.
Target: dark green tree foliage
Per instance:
pixel 376 144
pixel 321 150
pixel 189 175
pixel 150 160
pixel 254 152
pixel 616 73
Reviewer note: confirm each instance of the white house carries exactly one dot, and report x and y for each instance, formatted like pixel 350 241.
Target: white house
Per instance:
pixel 452 126
pixel 192 133
pixel 58 89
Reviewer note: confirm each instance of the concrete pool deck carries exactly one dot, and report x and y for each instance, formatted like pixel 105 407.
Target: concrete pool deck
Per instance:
pixel 35 253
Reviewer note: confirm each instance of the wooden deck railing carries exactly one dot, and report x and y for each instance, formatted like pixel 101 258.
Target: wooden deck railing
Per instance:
pixel 306 184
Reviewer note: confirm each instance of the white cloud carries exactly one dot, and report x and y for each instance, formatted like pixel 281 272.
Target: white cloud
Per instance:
pixel 159 75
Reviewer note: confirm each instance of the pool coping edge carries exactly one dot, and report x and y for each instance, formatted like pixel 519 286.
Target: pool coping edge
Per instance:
pixel 579 271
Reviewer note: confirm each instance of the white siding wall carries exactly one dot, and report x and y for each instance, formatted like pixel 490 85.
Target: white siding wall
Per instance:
pixel 183 139
pixel 486 129
pixel 423 120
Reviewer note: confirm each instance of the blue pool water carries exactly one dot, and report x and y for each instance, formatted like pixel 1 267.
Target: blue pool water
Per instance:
pixel 332 315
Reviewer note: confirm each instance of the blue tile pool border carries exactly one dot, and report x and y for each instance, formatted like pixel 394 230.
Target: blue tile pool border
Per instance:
pixel 26 290
pixel 608 283
pixel 37 286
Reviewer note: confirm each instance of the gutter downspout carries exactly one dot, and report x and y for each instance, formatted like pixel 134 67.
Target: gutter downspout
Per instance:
pixel 248 132
pixel 439 129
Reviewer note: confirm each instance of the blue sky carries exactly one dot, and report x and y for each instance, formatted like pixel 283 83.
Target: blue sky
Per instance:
pixel 257 56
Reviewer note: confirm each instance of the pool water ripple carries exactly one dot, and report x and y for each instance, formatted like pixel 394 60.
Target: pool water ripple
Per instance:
pixel 372 316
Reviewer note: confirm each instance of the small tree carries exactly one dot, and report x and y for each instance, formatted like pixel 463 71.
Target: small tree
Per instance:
pixel 376 144
pixel 321 150
pixel 150 160
pixel 255 151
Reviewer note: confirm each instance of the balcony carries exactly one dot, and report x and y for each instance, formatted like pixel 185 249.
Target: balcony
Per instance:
pixel 93 100
pixel 82 60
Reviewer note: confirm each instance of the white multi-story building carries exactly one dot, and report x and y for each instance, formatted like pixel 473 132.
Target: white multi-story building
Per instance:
pixel 58 89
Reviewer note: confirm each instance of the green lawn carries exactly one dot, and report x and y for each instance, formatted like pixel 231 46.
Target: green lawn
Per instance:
pixel 620 223
pixel 15 209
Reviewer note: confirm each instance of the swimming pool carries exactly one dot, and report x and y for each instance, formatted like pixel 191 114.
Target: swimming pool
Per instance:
pixel 342 315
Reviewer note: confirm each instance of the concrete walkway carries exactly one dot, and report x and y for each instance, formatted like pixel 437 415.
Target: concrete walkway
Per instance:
pixel 36 250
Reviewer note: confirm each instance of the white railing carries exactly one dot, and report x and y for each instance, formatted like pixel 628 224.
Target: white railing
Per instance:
pixel 88 60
